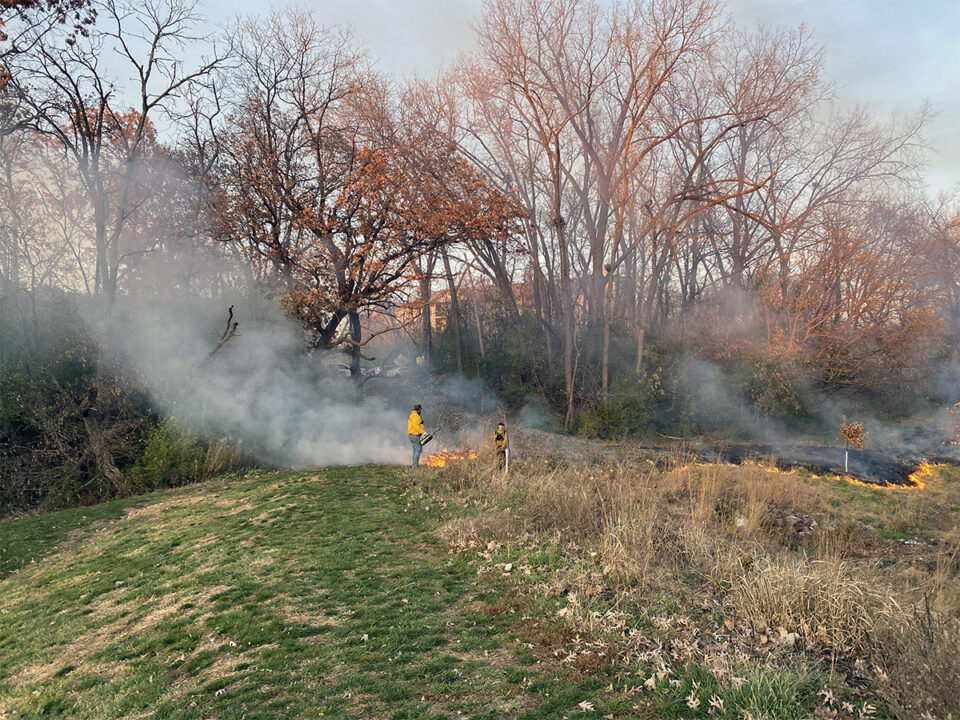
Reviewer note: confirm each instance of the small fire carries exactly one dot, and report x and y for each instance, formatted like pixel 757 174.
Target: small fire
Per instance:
pixel 441 459
pixel 922 471
pixel 779 471
pixel 872 486
pixel 916 483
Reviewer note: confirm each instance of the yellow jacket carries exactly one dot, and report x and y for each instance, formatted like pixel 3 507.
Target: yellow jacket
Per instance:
pixel 415 424
pixel 500 441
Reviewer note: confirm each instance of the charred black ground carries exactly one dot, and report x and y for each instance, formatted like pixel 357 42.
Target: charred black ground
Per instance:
pixel 877 467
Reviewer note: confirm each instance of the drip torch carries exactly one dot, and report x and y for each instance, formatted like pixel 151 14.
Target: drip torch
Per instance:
pixel 427 437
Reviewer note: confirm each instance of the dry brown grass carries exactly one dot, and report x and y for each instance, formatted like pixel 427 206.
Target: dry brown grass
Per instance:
pixel 223 457
pixel 128 625
pixel 916 664
pixel 641 530
pixel 826 602
pixel 480 528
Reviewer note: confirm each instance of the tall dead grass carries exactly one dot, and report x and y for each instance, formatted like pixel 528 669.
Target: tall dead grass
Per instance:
pixel 725 524
pixel 825 602
pixel 916 664
pixel 223 457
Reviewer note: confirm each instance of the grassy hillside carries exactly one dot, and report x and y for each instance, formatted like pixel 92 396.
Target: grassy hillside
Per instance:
pixel 389 593
pixel 283 595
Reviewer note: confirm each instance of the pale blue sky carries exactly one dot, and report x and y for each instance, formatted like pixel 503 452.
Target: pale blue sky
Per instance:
pixel 889 54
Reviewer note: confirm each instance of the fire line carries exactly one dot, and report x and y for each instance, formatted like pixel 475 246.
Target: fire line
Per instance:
pixel 441 459
pixel 915 482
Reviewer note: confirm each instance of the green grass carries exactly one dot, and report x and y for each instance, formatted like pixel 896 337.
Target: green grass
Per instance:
pixel 283 595
pixel 300 595
pixel 31 538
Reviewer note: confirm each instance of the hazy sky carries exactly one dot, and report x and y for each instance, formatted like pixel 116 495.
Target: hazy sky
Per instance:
pixel 892 55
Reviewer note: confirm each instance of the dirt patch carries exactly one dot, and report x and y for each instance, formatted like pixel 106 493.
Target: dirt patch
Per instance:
pixel 111 603
pixel 503 606
pixel 205 541
pixel 156 509
pixel 234 508
pixel 296 615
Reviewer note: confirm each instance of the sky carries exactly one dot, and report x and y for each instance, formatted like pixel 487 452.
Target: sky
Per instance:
pixel 891 55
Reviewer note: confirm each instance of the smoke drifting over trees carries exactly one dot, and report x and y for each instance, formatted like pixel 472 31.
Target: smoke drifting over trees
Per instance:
pixel 612 203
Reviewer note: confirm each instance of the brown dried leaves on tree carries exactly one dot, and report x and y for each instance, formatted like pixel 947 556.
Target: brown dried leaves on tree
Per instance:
pixel 330 198
pixel 852 434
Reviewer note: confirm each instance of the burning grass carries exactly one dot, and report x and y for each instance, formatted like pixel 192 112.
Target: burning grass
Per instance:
pixel 439 460
pixel 915 481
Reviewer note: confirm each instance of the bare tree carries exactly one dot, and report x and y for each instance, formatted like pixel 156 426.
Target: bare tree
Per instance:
pixel 614 119
pixel 77 104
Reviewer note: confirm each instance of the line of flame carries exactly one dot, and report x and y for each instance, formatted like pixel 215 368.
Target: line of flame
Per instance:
pixel 915 482
pixel 925 469
pixel 441 459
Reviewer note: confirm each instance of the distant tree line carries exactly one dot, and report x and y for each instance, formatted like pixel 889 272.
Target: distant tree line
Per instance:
pixel 655 180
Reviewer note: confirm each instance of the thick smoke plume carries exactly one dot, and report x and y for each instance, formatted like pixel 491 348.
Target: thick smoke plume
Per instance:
pixel 287 407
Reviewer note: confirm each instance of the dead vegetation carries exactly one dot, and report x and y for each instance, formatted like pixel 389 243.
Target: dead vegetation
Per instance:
pixel 758 564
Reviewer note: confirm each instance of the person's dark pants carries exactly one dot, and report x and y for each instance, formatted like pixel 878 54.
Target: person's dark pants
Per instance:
pixel 501 459
pixel 417 449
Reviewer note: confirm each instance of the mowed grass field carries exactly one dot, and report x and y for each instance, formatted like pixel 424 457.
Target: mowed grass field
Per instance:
pixel 309 595
pixel 378 592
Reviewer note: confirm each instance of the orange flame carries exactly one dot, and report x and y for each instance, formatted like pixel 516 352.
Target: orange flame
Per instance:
pixel 441 459
pixel 778 471
pixel 914 480
pixel 922 471
pixel 916 483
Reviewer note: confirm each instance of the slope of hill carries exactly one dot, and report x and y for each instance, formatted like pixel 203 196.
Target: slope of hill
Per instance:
pixel 358 592
pixel 277 595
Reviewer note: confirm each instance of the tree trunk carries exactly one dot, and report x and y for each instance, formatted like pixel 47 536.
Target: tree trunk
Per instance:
pixel 355 335
pixel 425 320
pixel 454 315
pixel 566 300
pixel 605 356
pixel 100 226
pixel 568 321
pixel 476 315
pixel 641 331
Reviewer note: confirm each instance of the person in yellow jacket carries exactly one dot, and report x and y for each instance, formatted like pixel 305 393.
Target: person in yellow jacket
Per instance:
pixel 415 430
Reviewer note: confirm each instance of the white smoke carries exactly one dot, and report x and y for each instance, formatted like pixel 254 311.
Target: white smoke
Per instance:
pixel 287 407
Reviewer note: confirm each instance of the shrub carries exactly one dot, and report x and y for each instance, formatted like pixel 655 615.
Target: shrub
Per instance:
pixel 50 455
pixel 171 456
pixel 775 388
pixel 605 421
pixel 639 405
pixel 223 457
